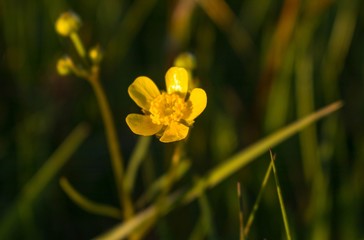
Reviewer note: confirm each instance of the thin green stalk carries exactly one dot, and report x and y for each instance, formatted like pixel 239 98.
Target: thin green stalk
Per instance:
pixel 78 44
pixel 86 204
pixel 113 143
pixel 207 220
pixel 241 216
pixel 198 231
pixel 305 102
pixel 281 203
pixel 257 201
pixel 136 159
pixel 172 172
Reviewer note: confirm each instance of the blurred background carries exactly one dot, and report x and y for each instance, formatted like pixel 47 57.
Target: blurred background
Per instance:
pixel 262 63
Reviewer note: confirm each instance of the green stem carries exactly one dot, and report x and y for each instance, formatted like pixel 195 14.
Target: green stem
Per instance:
pixel 257 201
pixel 139 153
pixel 171 175
pixel 78 44
pixel 241 216
pixel 87 204
pixel 280 198
pixel 113 143
pixel 207 216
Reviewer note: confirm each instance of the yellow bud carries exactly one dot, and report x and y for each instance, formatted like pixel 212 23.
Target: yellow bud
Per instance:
pixel 95 54
pixel 64 66
pixel 185 60
pixel 67 23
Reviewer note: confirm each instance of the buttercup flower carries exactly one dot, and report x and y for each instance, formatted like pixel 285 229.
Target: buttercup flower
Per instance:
pixel 67 23
pixel 169 114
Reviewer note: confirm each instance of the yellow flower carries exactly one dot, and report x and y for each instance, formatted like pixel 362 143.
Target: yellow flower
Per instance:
pixel 169 114
pixel 67 23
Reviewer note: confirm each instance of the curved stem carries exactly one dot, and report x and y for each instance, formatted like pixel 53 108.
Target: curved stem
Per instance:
pixel 113 142
pixel 87 204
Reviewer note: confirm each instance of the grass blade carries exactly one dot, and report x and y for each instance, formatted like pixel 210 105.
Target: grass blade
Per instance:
pixel 241 216
pixel 257 201
pixel 281 203
pixel 136 159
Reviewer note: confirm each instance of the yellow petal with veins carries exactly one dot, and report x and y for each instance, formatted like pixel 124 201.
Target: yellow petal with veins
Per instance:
pixel 174 132
pixel 143 90
pixel 142 125
pixel 177 80
pixel 198 99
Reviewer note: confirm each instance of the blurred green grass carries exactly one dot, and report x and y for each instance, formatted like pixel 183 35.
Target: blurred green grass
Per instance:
pixel 262 65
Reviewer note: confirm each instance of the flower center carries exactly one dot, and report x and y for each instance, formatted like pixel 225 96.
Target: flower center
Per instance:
pixel 167 108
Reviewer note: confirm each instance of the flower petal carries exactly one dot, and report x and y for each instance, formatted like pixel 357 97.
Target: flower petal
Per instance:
pixel 142 125
pixel 143 90
pixel 177 80
pixel 174 132
pixel 198 100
